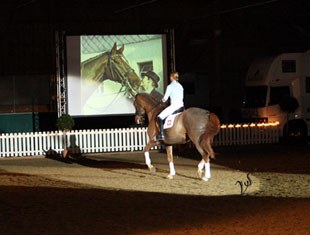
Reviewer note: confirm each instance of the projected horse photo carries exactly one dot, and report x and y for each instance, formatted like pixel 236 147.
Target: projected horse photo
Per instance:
pixel 194 124
pixel 111 65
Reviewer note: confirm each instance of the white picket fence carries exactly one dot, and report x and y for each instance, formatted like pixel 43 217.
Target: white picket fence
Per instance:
pixel 122 140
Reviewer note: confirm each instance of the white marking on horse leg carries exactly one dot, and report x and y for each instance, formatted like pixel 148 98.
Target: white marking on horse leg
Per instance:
pixel 148 162
pixel 170 160
pixel 201 165
pixel 147 158
pixel 207 170
pixel 172 170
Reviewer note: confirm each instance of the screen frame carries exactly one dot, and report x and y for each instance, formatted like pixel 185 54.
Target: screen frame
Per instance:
pixel 74 58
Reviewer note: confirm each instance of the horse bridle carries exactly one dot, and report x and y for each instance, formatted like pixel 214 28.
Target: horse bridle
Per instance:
pixel 117 75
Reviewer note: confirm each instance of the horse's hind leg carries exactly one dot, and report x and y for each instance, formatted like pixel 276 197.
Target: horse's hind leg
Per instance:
pixel 207 170
pixel 201 166
pixel 205 150
pixel 172 172
pixel 204 167
pixel 204 164
pixel 206 145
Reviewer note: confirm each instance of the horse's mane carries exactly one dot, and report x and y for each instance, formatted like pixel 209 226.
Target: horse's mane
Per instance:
pixel 151 101
pixel 147 98
pixel 94 58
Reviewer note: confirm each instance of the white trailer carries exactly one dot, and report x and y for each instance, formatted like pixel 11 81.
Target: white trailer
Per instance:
pixel 277 89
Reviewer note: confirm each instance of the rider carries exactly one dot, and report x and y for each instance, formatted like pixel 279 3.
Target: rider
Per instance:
pixel 175 92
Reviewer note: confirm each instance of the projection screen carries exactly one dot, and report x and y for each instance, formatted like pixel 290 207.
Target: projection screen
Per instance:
pixel 93 87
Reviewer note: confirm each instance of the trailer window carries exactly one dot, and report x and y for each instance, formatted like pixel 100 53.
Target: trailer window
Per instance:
pixel 277 93
pixel 289 66
pixel 255 97
pixel 307 84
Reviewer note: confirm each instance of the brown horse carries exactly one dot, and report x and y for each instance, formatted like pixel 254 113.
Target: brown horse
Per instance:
pixel 111 65
pixel 195 124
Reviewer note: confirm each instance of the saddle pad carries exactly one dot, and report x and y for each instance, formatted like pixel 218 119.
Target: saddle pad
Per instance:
pixel 170 120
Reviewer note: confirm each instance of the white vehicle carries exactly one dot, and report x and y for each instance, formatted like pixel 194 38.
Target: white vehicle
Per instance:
pixel 278 90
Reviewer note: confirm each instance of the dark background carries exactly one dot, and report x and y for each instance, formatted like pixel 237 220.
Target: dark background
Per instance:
pixel 216 38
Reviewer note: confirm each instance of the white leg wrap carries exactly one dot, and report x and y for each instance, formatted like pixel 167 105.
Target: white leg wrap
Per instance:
pixel 201 164
pixel 172 170
pixel 147 158
pixel 207 170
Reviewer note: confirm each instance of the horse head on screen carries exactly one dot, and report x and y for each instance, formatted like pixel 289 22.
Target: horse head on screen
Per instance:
pixel 110 65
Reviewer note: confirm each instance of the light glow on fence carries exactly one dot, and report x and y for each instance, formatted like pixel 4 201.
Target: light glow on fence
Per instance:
pixel 267 124
pixel 248 133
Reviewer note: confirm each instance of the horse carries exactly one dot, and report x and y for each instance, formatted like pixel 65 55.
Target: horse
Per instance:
pixel 110 65
pixel 193 124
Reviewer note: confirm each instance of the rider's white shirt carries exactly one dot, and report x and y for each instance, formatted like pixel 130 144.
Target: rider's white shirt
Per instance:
pixel 175 92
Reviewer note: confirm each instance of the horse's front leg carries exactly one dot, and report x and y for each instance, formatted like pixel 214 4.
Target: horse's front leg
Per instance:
pixel 170 160
pixel 147 155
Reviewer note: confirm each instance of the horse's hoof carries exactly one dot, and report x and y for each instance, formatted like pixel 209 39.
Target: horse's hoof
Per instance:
pixel 170 177
pixel 152 169
pixel 200 173
pixel 205 178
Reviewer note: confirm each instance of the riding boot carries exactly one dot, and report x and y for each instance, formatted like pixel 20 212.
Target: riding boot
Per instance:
pixel 160 135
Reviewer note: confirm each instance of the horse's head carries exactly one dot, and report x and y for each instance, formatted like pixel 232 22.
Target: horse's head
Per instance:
pixel 120 71
pixel 145 104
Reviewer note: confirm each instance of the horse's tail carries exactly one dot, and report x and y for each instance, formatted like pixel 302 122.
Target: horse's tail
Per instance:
pixel 212 129
pixel 214 126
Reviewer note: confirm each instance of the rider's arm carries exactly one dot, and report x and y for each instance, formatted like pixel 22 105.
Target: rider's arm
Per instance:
pixel 167 93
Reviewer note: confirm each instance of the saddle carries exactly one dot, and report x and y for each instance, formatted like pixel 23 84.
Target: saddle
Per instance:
pixel 168 122
pixel 180 110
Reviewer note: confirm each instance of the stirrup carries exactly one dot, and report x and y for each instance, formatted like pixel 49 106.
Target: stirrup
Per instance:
pixel 160 137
